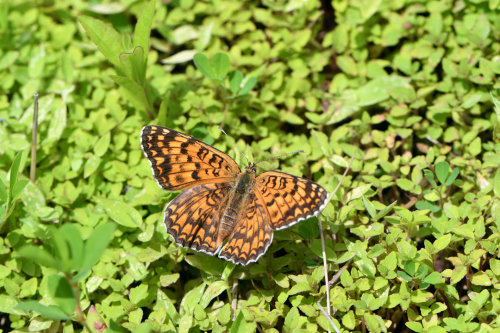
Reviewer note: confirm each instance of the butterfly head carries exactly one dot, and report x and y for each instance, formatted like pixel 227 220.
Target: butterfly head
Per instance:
pixel 251 168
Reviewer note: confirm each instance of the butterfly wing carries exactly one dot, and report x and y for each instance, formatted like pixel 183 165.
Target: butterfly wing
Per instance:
pixel 179 160
pixel 289 199
pixel 193 217
pixel 251 236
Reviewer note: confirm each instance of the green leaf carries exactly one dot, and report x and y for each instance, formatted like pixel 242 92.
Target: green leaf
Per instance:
pixel 384 211
pixel 133 88
pixel 18 188
pixel 369 207
pixel 204 65
pixel 162 114
pixel 235 79
pixel 322 142
pixel 106 38
pixel 75 242
pixel 102 145
pixel 134 65
pixel 221 64
pixel 61 293
pixel 239 324
pixel 496 184
pixel 91 166
pixel 452 177
pixel 143 29
pixel 14 169
pixel 404 276
pixel 143 328
pixel 96 244
pixel 410 267
pixel 433 278
pixel 430 177
pixel 52 312
pixel 441 243
pixel 38 255
pixel 414 326
pixel 120 212
pixel 3 192
pixel 249 84
pixel 59 243
pixel 442 171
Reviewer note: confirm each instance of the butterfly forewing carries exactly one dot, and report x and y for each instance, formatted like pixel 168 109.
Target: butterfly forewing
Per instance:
pixel 179 160
pixel 251 236
pixel 289 199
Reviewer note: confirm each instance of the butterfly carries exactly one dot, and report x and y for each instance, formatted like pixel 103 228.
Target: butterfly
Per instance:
pixel 224 210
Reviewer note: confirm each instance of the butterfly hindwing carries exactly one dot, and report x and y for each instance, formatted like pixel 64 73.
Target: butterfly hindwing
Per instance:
pixel 289 199
pixel 179 160
pixel 251 236
pixel 193 217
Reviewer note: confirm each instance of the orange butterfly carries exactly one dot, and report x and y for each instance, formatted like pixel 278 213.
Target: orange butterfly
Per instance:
pixel 222 202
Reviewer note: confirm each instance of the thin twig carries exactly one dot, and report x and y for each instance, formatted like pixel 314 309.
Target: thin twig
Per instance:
pixel 235 298
pixel 328 318
pixel 339 273
pixel 33 140
pixel 324 264
pixel 327 285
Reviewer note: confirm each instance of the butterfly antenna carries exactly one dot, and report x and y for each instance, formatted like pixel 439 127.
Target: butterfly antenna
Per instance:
pixel 272 158
pixel 234 144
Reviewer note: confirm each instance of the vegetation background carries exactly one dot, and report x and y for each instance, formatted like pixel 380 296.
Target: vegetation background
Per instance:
pixel 411 235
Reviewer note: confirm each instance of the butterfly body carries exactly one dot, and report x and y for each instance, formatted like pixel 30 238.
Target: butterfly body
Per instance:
pixel 224 210
pixel 237 199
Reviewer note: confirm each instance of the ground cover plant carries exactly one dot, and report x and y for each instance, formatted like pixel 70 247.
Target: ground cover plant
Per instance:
pixel 405 89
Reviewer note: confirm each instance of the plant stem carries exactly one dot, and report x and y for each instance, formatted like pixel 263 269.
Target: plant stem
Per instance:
pixel 33 139
pixel 325 266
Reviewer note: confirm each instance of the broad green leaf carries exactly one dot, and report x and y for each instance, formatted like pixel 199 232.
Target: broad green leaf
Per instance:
pixel 441 243
pixel 18 188
pixel 143 29
pixel 239 324
pixel 134 89
pixel 106 38
pixel 102 145
pixel 59 243
pixel 120 212
pixel 134 64
pixel 8 304
pixel 143 328
pixel 96 244
pixel 235 79
pixel 61 293
pixel 52 312
pixel 91 166
pixel 248 86
pixel 38 255
pixel 75 242
pixel 433 278
pixel 442 171
pixel 220 64
pixel 204 65
pixel 452 177
pixel 213 290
